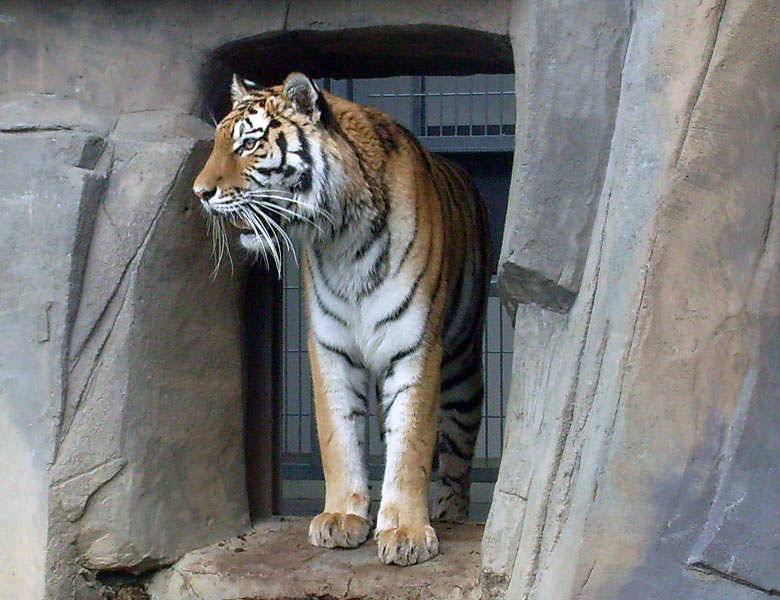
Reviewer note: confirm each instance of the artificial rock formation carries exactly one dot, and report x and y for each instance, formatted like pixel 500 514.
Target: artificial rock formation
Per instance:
pixel 642 457
pixel 109 309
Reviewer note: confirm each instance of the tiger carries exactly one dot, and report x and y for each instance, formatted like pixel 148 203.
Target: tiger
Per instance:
pixel 395 260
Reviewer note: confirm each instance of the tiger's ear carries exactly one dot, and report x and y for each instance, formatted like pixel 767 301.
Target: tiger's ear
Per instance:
pixel 240 88
pixel 303 94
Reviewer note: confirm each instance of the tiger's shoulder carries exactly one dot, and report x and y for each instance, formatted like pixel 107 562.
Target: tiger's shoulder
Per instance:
pixel 373 133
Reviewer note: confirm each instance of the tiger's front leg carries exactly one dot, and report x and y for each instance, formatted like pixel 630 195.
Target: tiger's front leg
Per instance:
pixel 410 401
pixel 340 405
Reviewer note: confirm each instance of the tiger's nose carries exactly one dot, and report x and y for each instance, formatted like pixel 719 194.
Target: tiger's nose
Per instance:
pixel 203 192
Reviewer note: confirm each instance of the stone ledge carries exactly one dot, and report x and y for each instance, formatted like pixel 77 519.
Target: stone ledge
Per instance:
pixel 274 561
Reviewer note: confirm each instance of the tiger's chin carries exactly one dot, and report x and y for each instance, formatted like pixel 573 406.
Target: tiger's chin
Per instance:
pixel 257 244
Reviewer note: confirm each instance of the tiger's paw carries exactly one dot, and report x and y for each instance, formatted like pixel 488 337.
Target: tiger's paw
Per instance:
pixel 338 530
pixel 407 545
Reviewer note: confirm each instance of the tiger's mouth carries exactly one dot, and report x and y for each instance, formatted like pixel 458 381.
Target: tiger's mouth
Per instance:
pixel 260 233
pixel 242 225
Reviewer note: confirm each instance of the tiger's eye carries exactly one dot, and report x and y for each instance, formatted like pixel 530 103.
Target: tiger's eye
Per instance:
pixel 249 145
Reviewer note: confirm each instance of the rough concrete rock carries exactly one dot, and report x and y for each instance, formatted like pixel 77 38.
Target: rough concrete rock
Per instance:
pixel 123 58
pixel 538 341
pixel 47 210
pixel 480 15
pixel 568 58
pixel 274 561
pixel 155 364
pixel 26 112
pixel 121 364
pixel 652 468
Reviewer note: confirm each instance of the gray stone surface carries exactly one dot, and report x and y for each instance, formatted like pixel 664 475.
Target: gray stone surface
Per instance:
pixel 273 561
pixel 120 57
pixel 153 310
pixel 482 15
pixel 644 466
pixel 148 466
pixel 47 209
pixel 120 369
pixel 567 93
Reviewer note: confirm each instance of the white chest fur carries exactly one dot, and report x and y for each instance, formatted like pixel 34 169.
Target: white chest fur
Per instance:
pixel 366 326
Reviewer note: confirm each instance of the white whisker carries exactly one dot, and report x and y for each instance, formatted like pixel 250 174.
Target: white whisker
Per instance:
pixel 216 245
pixel 219 245
pixel 282 211
pixel 259 229
pixel 287 241
pixel 213 118
pixel 288 197
pixel 227 248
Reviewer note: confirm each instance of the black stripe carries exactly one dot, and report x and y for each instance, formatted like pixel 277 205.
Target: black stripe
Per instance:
pixel 407 351
pixel 327 311
pixel 361 252
pixel 304 152
pixel 472 332
pixel 453 483
pixel 378 270
pixel 404 305
pixel 410 349
pixel 378 225
pixel 409 246
pixel 448 445
pixel 281 141
pixel 465 373
pixel 361 396
pixel 468 428
pixel 253 178
pixel 326 283
pixel 361 165
pixel 304 181
pixel 454 301
pixel 342 353
pixel 281 169
pixel 384 130
pixel 325 202
pixel 467 343
pixel 465 405
pixel 388 404
pixel 356 413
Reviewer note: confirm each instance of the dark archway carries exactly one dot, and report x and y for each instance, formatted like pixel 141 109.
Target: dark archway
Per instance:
pixel 385 51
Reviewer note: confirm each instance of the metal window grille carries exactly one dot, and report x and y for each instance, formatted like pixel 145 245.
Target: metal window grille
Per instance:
pixel 448 114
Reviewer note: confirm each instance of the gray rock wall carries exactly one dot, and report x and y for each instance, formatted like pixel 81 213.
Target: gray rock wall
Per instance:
pixel 122 367
pixel 640 461
pixel 567 96
pixel 50 194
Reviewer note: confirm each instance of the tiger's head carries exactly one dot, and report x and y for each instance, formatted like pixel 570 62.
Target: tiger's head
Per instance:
pixel 265 173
